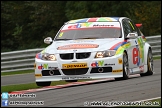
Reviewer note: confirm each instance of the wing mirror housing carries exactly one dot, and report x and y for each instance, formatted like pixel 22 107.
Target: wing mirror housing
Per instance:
pixel 48 40
pixel 132 36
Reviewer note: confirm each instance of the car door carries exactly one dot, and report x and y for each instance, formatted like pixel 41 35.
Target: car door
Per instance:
pixel 133 51
pixel 140 43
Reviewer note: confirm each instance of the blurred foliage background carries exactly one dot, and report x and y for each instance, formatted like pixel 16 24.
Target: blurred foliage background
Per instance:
pixel 25 24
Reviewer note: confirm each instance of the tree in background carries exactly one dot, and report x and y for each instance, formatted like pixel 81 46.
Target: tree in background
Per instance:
pixel 24 24
pixel 149 14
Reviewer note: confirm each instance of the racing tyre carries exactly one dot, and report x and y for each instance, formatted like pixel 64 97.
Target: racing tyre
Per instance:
pixel 125 68
pixel 71 80
pixel 149 64
pixel 43 83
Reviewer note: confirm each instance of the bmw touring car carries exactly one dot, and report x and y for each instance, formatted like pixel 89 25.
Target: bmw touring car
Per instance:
pixel 93 48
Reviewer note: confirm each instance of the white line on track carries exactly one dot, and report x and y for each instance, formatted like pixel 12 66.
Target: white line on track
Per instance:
pixel 150 99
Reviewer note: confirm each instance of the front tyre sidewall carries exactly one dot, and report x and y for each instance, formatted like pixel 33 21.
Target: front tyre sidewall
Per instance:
pixel 125 66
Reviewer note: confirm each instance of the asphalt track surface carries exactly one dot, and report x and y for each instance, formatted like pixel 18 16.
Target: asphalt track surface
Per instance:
pixel 17 79
pixel 133 89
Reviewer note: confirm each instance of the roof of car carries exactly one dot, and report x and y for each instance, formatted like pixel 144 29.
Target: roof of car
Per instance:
pixel 94 19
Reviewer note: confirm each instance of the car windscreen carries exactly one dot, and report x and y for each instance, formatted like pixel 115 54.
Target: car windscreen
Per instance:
pixel 90 30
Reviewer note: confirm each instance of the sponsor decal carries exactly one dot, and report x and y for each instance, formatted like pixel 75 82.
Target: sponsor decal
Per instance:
pixel 53 68
pixel 109 64
pixel 131 70
pixel 74 78
pixel 83 40
pixel 120 61
pixel 120 70
pixel 141 68
pixel 45 66
pixel 138 52
pixel 97 64
pixel 136 59
pixel 141 48
pixel 42 67
pixel 35 66
pixel 60 35
pixel 38 75
pixel 77 46
pixel 76 65
pixel 98 25
pixel 82 25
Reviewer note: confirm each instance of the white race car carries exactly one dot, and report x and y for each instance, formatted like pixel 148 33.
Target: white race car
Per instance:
pixel 93 48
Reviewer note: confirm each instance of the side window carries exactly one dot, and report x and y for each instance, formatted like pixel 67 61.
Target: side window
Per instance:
pixel 135 29
pixel 126 27
pixel 130 27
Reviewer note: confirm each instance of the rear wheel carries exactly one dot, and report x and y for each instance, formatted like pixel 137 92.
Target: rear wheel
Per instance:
pixel 149 64
pixel 125 68
pixel 43 83
pixel 71 80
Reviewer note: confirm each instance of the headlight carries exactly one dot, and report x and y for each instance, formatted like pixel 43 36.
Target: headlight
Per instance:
pixel 50 57
pixel 106 53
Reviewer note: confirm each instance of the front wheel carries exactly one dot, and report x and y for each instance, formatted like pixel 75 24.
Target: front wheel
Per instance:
pixel 149 64
pixel 125 68
pixel 43 83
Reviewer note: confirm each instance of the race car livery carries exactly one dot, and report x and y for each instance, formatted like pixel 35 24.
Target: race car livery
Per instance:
pixel 93 48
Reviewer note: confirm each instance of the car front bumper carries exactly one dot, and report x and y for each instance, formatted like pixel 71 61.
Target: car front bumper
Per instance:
pixel 109 67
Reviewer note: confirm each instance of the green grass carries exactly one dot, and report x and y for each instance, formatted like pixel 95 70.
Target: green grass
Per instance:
pixel 18 87
pixel 158 57
pixel 157 101
pixel 17 72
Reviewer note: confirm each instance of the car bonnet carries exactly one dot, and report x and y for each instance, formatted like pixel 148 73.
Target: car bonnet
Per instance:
pixel 83 45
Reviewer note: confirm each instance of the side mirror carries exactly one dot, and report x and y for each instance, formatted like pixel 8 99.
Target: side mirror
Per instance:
pixel 48 40
pixel 139 26
pixel 132 35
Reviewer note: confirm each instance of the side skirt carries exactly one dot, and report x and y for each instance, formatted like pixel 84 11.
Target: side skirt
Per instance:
pixel 138 70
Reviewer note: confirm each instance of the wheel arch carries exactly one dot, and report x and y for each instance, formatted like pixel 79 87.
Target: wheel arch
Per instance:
pixel 146 48
pixel 125 52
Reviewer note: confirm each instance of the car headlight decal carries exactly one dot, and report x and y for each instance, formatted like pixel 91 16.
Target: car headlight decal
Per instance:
pixel 50 57
pixel 99 55
pixel 106 53
pixel 45 56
